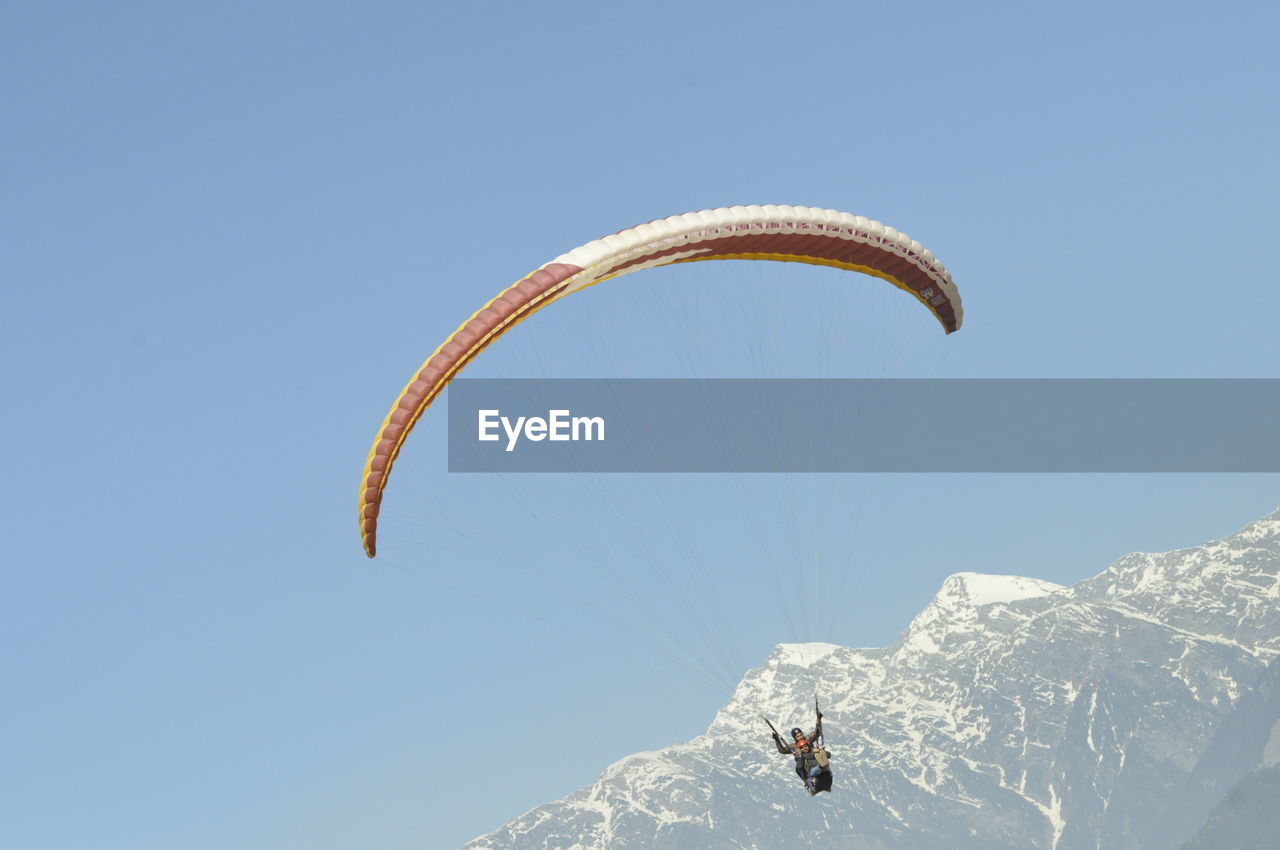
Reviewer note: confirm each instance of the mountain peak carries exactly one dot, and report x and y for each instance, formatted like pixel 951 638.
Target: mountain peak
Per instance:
pixel 802 654
pixel 979 589
pixel 963 604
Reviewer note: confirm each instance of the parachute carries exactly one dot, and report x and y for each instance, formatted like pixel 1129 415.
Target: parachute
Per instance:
pixel 782 233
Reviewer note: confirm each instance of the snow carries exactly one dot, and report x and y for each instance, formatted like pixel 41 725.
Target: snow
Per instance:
pixel 919 640
pixel 803 654
pixel 983 589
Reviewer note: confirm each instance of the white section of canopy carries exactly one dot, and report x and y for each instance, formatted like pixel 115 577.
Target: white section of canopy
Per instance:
pixel 599 258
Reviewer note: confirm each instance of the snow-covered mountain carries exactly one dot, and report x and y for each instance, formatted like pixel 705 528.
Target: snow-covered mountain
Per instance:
pixel 1012 713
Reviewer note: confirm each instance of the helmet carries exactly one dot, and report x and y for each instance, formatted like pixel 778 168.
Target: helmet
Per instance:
pixel 797 733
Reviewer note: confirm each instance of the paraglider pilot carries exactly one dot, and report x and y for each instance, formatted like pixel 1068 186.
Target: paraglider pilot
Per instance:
pixel 812 761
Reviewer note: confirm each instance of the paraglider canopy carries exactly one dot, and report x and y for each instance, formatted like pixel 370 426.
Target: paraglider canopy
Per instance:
pixel 782 233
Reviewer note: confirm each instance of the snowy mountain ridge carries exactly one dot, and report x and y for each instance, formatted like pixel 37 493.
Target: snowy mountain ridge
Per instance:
pixel 1011 713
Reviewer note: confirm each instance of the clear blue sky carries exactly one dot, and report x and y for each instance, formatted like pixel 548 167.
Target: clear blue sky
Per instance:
pixel 231 232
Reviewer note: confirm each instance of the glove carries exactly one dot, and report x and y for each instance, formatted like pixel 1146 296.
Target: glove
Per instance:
pixel 819 715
